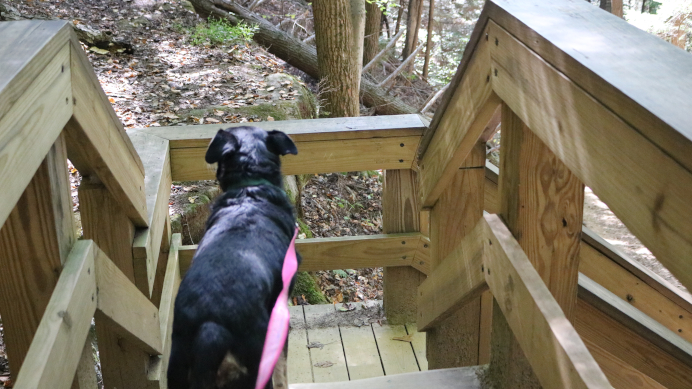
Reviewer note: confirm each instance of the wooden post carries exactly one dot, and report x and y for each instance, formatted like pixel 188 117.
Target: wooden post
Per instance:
pixel 455 341
pixel 122 364
pixel 541 202
pixel 34 244
pixel 400 213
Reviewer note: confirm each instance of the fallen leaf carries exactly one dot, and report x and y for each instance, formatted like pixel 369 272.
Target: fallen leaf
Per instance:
pixel 347 307
pixel 191 199
pixel 212 120
pixel 405 338
pixel 98 50
pixel 315 345
pixel 324 364
pixel 270 119
pixel 170 115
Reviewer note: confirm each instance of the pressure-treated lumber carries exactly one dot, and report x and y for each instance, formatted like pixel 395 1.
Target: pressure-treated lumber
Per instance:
pixel 125 309
pixel 611 162
pixel 464 120
pixel 159 365
pixel 457 280
pixel 154 153
pixel 400 213
pixel 465 377
pixel 35 241
pixel 57 346
pixel 656 105
pixel 98 143
pixel 553 348
pixel 34 107
pixel 314 157
pixel 346 252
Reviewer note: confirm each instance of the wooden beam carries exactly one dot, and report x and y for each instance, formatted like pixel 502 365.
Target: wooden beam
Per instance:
pixel 462 124
pixel 154 152
pixel 31 118
pixel 34 244
pixel 611 162
pixel 310 130
pixel 124 308
pixel 57 346
pixel 555 351
pixel 99 145
pixel 314 157
pixel 457 280
pixel 400 213
pixel 159 365
pixel 657 106
pixel 346 252
pixel 620 374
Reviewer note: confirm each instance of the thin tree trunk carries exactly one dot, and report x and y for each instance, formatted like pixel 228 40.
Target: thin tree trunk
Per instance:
pixel 338 67
pixel 400 15
pixel 415 9
pixel 428 46
pixel 605 5
pixel 358 23
pixel 373 26
pixel 616 8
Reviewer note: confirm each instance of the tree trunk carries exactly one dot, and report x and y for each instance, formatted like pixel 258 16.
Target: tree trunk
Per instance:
pixel 296 53
pixel 373 24
pixel 415 10
pixel 605 5
pixel 399 16
pixel 337 67
pixel 428 45
pixel 358 23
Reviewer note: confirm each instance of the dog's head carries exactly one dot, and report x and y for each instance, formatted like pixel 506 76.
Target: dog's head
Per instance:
pixel 248 153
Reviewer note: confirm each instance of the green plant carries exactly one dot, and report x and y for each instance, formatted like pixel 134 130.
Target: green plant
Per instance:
pixel 220 32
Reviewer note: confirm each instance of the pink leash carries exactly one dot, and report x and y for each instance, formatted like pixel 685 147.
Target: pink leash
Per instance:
pixel 278 321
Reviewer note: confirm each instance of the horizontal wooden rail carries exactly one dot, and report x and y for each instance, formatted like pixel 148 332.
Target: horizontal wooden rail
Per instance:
pixel 350 252
pixel 552 346
pixel 324 145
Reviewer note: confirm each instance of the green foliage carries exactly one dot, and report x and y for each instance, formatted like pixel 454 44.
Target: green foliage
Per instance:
pixel 304 229
pixel 307 286
pixel 384 5
pixel 220 32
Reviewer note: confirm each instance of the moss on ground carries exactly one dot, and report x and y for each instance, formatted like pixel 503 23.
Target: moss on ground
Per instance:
pixel 306 286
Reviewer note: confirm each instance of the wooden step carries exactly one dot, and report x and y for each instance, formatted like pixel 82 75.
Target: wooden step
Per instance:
pixel 462 377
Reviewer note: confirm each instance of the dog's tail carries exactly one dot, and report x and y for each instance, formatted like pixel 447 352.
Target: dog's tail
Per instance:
pixel 214 366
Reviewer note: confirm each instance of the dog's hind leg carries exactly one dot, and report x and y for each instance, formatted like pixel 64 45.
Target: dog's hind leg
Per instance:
pixel 214 365
pixel 178 366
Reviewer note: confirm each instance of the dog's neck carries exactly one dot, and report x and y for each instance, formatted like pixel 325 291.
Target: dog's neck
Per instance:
pixel 244 183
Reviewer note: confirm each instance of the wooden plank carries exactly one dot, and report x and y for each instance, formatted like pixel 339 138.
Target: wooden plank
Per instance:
pixel 362 357
pixel 159 365
pixel 656 106
pixel 400 213
pixel 598 328
pixel 31 123
pixel 310 130
pixel 299 364
pixel 547 338
pixel 57 346
pixel 620 374
pixel 462 124
pixel 485 331
pixel 466 377
pixel 329 362
pixel 456 281
pixel 99 145
pixel 314 157
pixel 155 156
pixel 126 310
pixel 345 252
pixel 418 344
pixel 611 162
pixel 34 244
pixel 397 356
pixel 422 261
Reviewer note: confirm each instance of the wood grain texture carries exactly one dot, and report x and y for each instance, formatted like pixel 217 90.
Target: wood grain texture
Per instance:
pixel 439 379
pixel 457 280
pixel 397 356
pixel 460 127
pixel 547 338
pixel 299 365
pixel 313 157
pixel 31 120
pixel 329 362
pixel 620 374
pixel 362 357
pixel 542 203
pixel 159 365
pixel 99 145
pixel 400 213
pixel 611 162
pixel 57 347
pixel 309 130
pixel 655 105
pixel 154 153
pixel 418 344
pixel 33 248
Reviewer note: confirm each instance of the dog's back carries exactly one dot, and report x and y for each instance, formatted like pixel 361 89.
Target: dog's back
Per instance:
pixel 225 299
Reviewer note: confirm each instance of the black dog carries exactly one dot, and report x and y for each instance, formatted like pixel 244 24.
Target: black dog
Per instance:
pixel 225 299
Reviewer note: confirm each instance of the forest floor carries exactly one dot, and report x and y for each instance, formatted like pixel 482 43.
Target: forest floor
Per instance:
pixel 165 79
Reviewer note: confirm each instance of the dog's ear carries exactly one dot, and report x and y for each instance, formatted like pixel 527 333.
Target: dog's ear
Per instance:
pixel 222 143
pixel 280 144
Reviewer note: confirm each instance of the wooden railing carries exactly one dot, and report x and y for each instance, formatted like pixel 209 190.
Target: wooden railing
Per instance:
pixel 567 120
